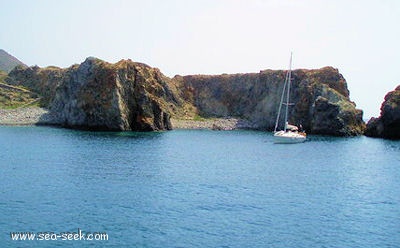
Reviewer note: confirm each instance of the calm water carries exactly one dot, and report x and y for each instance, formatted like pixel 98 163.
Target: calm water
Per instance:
pixel 188 188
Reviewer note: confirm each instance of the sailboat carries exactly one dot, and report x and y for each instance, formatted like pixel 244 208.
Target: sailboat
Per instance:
pixel 290 133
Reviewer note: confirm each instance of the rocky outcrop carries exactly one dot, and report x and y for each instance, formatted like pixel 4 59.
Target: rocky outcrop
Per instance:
pixel 98 95
pixel 388 124
pixel 133 96
pixel 321 99
pixel 122 96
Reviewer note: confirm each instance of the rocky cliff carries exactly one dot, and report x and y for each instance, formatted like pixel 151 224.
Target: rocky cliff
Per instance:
pixel 101 96
pixel 388 124
pixel 121 96
pixel 321 99
pixel 134 96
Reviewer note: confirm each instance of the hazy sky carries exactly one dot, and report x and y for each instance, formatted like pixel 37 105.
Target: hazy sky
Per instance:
pixel 360 38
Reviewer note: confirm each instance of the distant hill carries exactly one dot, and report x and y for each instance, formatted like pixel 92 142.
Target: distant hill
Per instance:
pixel 8 62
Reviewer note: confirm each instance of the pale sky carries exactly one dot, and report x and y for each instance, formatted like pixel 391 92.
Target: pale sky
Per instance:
pixel 359 37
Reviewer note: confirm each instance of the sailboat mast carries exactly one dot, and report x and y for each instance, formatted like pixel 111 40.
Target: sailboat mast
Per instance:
pixel 281 102
pixel 288 91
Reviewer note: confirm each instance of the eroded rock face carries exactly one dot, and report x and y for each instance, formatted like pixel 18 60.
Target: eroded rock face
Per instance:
pixel 98 95
pixel 321 99
pixel 122 96
pixel 388 124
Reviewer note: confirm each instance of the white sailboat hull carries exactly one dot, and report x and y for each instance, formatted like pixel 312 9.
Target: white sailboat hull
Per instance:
pixel 288 137
pixel 290 133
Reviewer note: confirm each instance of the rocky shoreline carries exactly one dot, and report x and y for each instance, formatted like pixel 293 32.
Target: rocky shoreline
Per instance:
pixel 213 123
pixel 27 116
pixel 42 116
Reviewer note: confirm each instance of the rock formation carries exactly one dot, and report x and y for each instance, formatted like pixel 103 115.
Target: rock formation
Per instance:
pixel 388 124
pixel 121 96
pixel 41 80
pixel 133 96
pixel 101 96
pixel 321 99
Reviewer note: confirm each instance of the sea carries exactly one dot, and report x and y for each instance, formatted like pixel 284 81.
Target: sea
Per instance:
pixel 195 188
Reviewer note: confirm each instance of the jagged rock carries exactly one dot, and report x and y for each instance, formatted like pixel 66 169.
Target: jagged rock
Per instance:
pixel 98 95
pixel 122 96
pixel 388 124
pixel 322 103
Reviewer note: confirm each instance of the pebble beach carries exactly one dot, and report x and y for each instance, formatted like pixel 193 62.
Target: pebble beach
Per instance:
pixel 42 116
pixel 26 116
pixel 213 123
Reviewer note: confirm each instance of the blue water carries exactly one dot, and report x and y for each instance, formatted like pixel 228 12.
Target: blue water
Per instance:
pixel 188 188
